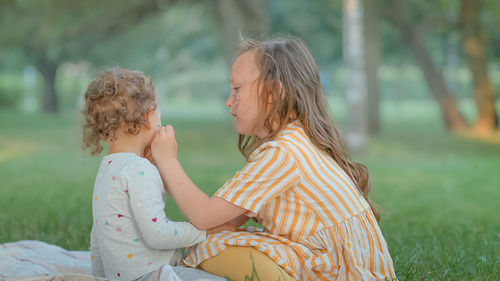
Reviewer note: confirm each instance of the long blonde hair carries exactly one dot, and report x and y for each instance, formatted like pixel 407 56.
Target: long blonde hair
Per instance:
pixel 290 76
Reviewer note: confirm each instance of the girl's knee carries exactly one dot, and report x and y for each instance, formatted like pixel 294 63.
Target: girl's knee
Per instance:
pixel 245 263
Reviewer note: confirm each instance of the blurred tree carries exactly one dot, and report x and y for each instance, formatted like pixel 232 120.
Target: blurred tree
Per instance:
pixel 475 50
pixel 249 19
pixel 318 23
pixel 371 52
pixel 55 31
pixel 176 48
pixel 397 12
pixel 356 93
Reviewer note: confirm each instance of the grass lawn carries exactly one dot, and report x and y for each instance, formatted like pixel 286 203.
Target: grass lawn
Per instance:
pixel 439 192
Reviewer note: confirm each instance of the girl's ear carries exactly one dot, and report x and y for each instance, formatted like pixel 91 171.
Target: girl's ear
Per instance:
pixel 280 91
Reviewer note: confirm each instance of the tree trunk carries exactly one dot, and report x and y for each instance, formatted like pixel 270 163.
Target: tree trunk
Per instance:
pixel 248 18
pixel 474 49
pixel 371 36
pixel 356 85
pixel 452 117
pixel 49 98
pixel 451 53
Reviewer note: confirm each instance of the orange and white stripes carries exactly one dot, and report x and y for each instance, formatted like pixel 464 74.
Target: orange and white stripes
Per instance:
pixel 317 224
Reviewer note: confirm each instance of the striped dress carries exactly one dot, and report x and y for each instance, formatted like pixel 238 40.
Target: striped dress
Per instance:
pixel 317 225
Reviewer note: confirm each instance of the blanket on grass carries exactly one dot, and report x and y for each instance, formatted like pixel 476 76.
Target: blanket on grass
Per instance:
pixel 36 260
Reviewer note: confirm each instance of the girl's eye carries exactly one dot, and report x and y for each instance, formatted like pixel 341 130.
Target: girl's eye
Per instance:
pixel 236 89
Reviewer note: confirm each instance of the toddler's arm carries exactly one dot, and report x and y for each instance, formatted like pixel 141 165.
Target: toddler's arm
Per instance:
pixel 95 256
pixel 146 201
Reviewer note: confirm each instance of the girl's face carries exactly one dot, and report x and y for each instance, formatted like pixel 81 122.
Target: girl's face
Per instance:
pixel 243 101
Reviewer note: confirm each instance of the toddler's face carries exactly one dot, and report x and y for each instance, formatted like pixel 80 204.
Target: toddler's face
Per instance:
pixel 156 119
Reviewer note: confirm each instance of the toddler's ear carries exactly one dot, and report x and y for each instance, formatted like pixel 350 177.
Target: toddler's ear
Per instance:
pixel 149 118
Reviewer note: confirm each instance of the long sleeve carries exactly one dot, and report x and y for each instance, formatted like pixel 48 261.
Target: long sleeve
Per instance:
pixel 146 201
pixel 95 256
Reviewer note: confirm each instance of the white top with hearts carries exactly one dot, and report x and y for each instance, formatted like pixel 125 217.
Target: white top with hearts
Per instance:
pixel 131 235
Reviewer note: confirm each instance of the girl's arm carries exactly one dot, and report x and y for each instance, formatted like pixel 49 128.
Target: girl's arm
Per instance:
pixel 202 211
pixel 144 190
pixel 238 221
pixel 231 225
pixel 148 155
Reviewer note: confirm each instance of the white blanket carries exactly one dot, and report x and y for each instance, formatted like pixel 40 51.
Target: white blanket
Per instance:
pixel 35 260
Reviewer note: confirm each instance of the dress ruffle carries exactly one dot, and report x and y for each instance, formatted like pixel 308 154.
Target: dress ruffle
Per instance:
pixel 351 250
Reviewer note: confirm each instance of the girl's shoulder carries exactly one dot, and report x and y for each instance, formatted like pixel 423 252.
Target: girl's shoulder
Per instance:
pixel 272 147
pixel 292 131
pixel 291 140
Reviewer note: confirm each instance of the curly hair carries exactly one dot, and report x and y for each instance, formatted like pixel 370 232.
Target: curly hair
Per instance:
pixel 118 97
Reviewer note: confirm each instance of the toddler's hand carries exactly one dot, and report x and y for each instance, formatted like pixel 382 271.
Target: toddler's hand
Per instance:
pixel 164 145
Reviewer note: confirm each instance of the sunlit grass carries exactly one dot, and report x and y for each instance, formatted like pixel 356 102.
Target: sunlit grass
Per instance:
pixel 439 192
pixel 14 148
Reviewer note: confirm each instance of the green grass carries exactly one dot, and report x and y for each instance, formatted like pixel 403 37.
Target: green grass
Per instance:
pixel 439 192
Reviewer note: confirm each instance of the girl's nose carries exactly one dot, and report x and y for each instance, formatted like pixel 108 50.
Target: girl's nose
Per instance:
pixel 229 101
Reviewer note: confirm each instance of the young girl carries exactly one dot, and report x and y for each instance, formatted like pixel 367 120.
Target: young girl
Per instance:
pixel 299 182
pixel 131 236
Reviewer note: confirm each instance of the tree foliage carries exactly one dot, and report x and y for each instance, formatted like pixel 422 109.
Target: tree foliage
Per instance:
pixel 55 31
pixel 168 36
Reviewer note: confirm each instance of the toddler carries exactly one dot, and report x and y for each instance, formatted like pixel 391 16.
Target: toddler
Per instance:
pixel 131 235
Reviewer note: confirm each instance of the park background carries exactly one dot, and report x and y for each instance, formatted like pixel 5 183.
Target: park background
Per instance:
pixel 413 85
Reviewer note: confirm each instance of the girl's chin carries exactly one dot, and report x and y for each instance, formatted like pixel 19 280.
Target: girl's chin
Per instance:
pixel 244 129
pixel 243 132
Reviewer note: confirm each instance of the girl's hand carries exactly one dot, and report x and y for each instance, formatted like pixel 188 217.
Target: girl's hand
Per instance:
pixel 164 145
pixel 223 227
pixel 148 155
